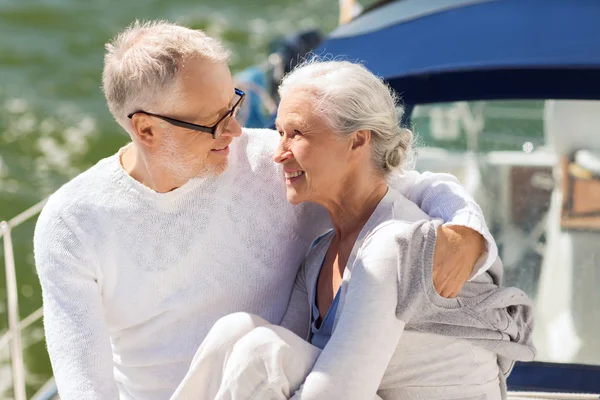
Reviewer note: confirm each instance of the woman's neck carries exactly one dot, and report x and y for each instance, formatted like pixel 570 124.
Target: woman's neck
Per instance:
pixel 352 207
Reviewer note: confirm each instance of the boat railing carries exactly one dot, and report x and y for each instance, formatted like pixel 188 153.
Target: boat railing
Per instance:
pixel 12 336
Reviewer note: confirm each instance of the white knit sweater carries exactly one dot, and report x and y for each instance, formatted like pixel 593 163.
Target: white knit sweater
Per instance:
pixel 133 280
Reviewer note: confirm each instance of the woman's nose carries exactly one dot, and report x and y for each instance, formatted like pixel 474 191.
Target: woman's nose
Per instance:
pixel 282 152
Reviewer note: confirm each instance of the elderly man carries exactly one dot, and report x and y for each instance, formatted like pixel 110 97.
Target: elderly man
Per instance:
pixel 142 253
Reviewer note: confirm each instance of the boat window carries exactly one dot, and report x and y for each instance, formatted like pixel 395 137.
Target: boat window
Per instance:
pixel 534 167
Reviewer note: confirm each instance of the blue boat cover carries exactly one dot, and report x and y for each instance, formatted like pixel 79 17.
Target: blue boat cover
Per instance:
pixel 468 50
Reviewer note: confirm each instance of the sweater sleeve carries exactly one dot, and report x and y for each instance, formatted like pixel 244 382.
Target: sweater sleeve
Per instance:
pixel 441 196
pixel 76 332
pixel 352 364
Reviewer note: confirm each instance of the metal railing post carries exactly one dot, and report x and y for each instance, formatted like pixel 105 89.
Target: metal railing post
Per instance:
pixel 16 348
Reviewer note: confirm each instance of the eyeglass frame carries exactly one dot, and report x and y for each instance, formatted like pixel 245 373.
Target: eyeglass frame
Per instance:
pixel 201 128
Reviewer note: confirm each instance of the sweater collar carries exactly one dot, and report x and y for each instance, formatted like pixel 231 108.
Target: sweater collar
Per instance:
pixel 132 185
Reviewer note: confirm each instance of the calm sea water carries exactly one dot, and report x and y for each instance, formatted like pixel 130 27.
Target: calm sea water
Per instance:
pixel 53 119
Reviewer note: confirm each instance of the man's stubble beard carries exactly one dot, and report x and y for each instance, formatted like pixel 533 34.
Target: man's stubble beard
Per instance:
pixel 185 166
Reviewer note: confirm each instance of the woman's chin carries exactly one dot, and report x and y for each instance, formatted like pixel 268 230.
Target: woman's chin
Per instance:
pixel 293 197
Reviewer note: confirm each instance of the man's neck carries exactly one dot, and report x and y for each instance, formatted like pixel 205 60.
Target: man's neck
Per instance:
pixel 144 172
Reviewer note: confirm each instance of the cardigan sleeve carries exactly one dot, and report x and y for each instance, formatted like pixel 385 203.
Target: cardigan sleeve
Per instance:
pixel 442 196
pixel 367 333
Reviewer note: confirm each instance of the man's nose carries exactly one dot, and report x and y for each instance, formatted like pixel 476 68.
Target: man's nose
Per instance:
pixel 233 128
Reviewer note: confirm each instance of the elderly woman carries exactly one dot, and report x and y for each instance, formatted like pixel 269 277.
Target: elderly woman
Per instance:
pixel 374 324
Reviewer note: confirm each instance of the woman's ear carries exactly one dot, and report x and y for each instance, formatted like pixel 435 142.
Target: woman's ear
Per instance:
pixel 361 138
pixel 143 129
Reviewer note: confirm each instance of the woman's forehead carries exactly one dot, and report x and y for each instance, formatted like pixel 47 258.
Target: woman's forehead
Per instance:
pixel 299 118
pixel 296 107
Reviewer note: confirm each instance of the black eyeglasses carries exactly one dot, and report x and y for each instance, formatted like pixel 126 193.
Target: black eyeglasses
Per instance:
pixel 216 130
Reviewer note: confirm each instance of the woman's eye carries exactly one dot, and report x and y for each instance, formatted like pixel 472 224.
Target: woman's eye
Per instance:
pixel 294 133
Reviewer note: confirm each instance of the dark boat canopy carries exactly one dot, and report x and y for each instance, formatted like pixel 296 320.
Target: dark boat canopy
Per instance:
pixel 451 50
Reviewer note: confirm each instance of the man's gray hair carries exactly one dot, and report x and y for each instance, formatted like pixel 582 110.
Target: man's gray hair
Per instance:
pixel 142 62
pixel 351 98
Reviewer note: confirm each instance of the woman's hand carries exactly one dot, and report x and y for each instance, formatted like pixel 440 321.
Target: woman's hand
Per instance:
pixel 457 250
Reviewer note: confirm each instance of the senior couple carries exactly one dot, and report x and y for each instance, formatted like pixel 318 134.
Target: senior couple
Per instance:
pixel 177 269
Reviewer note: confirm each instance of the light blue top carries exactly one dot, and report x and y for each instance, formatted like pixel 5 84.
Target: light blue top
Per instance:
pixel 320 334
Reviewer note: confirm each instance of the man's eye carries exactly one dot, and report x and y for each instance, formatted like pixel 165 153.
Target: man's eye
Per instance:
pixel 297 132
pixel 280 133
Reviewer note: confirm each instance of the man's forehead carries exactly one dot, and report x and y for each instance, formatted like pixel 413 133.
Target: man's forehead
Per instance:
pixel 208 85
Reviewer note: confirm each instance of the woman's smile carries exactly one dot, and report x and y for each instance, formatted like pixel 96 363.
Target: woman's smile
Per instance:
pixel 294 176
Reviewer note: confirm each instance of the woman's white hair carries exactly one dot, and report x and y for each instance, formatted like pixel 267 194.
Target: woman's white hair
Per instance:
pixel 142 62
pixel 351 98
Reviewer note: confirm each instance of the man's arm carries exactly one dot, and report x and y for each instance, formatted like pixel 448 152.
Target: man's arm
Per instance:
pixel 76 332
pixel 465 246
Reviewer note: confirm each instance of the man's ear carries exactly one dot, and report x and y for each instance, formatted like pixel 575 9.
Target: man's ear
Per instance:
pixel 143 128
pixel 361 138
